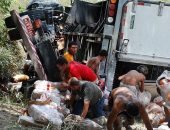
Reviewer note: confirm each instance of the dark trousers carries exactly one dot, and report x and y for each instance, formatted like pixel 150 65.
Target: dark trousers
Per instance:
pixel 97 108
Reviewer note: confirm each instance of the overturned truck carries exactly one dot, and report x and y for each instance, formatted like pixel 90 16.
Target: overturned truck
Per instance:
pixel 133 32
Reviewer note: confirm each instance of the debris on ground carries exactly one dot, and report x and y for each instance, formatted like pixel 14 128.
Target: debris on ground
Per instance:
pixel 156 114
pixel 75 122
pixel 48 106
pixel 28 121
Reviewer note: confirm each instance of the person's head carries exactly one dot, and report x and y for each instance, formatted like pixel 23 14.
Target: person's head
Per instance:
pixel 61 64
pixel 72 47
pixel 142 69
pixel 74 84
pixel 103 54
pixel 132 109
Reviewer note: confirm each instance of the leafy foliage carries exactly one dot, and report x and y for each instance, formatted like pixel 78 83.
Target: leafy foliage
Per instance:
pixel 5 5
pixel 7 67
pixel 11 54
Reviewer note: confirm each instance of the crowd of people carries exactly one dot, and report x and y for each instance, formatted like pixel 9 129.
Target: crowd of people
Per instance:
pixel 87 93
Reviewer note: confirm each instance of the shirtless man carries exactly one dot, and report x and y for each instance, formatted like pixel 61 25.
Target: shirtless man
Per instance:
pixel 124 101
pixel 135 78
pixel 94 62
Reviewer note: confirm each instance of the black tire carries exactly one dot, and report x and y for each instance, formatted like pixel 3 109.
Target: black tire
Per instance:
pixel 14 34
pixel 9 22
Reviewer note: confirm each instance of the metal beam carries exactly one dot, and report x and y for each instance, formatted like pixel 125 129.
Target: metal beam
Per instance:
pixel 29 45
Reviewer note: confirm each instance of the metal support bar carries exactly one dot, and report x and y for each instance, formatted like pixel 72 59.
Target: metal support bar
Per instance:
pixel 29 45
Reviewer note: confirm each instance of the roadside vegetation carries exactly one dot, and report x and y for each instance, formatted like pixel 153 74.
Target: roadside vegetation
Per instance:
pixel 11 53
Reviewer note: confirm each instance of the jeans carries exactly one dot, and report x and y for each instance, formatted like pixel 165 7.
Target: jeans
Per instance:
pixel 97 108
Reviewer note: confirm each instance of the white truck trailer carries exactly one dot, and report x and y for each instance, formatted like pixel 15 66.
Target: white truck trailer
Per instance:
pixel 140 35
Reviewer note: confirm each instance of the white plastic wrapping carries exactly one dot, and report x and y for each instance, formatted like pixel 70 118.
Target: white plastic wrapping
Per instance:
pixel 28 121
pixel 155 113
pixel 45 114
pixel 163 83
pixel 75 121
pixel 144 97
pixel 54 96
pixel 41 87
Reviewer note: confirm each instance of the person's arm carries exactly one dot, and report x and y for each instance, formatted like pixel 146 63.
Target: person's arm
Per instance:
pixel 145 117
pixel 72 99
pixel 97 70
pixel 113 115
pixel 121 77
pixel 141 85
pixel 85 108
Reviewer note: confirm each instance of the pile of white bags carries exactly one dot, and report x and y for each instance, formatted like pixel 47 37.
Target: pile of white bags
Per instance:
pixel 45 114
pixel 144 97
pixel 53 112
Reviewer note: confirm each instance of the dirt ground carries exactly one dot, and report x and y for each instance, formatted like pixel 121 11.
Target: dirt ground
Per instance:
pixel 9 116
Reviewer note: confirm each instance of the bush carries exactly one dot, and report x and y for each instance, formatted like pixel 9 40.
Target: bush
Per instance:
pixel 7 66
pixel 11 54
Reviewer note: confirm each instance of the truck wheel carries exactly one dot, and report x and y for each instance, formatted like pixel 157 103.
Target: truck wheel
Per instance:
pixel 14 34
pixel 9 22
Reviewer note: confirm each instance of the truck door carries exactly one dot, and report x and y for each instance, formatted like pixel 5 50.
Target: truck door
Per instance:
pixel 144 35
pixel 140 37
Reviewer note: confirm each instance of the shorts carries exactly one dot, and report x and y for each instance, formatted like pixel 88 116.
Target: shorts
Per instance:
pixel 131 88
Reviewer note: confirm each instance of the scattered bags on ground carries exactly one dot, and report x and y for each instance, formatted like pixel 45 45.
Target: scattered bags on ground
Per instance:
pixel 163 126
pixel 75 122
pixel 28 121
pixel 144 97
pixel 156 114
pixel 101 120
pixel 45 114
pixel 41 87
pixel 20 78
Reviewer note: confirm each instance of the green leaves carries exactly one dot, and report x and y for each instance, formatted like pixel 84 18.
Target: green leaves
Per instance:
pixel 5 5
pixel 7 67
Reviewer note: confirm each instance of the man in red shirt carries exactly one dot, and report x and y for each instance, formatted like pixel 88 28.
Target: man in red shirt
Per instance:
pixel 75 69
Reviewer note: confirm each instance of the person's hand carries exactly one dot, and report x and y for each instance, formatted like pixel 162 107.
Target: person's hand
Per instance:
pixel 63 86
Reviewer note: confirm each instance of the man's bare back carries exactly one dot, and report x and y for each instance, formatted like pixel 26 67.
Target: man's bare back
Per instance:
pixel 93 63
pixel 124 93
pixel 133 78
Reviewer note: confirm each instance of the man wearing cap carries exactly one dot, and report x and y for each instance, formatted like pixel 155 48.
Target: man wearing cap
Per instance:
pixel 90 97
